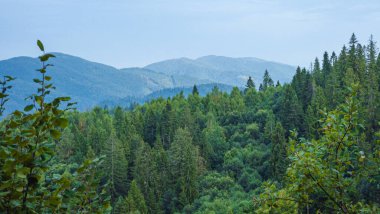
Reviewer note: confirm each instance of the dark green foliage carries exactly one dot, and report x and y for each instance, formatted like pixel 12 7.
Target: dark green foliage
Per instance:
pixel 267 81
pixel 250 83
pixel 115 167
pixel 290 110
pixel 326 68
pixel 195 90
pixel 278 161
pixel 215 144
pixel 120 206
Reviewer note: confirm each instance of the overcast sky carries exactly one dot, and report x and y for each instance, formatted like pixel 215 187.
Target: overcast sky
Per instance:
pixel 125 33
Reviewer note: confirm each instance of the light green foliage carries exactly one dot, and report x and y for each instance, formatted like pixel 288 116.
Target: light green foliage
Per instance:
pixel 220 194
pixel 251 98
pixel 237 100
pixel 247 165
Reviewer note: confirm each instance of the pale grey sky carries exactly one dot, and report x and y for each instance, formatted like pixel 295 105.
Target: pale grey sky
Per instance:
pixel 125 33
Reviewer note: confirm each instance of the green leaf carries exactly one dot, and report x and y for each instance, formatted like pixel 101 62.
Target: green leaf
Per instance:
pixel 55 134
pixel 9 78
pixel 71 104
pixel 45 57
pixel 17 113
pixel 40 45
pixel 61 122
pixel 16 203
pixel 28 108
pixel 42 70
pixel 48 86
pixel 37 80
pixel 38 99
pixel 22 172
pixel 2 194
pixel 13 124
pixel 48 78
pixel 65 98
pixel 57 176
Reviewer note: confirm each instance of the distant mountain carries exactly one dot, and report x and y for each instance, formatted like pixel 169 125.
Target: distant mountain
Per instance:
pixel 165 93
pixel 227 70
pixel 90 83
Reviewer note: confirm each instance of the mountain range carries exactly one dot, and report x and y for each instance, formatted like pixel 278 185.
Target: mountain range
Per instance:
pixel 90 83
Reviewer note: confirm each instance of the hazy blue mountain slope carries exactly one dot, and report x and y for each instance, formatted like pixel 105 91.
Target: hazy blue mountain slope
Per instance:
pixel 227 70
pixel 181 67
pixel 154 80
pixel 86 82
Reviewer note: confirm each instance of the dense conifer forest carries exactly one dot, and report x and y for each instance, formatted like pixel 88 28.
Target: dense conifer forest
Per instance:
pixel 308 146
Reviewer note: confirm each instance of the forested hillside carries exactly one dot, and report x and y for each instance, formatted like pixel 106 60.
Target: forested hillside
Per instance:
pixel 305 147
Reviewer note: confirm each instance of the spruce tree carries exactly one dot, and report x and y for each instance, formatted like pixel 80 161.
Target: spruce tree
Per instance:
pixel 167 125
pixel 352 62
pixel 290 110
pixel 278 158
pixel 120 206
pixel 313 112
pixel 135 200
pixel 183 157
pixel 115 167
pixel 278 84
pixel 372 93
pixel 267 81
pixel 326 68
pixel 333 58
pixel 250 83
pixel 195 90
pixel 317 73
pixel 147 177
pixel 261 87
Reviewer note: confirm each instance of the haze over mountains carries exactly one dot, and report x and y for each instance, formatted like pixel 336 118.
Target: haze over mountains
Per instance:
pixel 90 83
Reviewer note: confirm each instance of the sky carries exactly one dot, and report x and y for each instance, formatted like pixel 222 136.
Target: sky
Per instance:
pixel 129 33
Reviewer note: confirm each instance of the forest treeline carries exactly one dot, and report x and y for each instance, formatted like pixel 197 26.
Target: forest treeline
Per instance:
pixel 308 146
